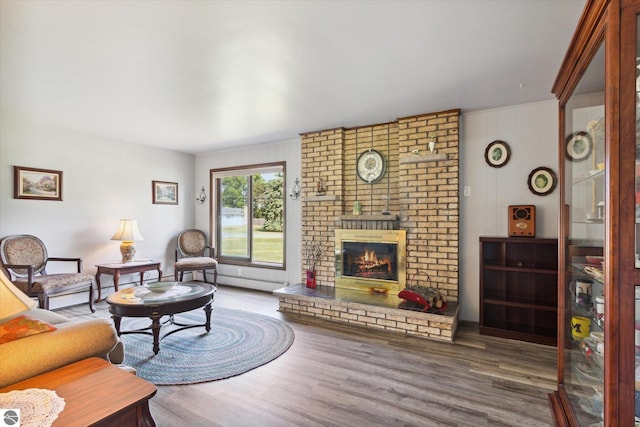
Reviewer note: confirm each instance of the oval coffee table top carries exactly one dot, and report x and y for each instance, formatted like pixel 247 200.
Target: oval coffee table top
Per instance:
pixel 140 296
pixel 142 302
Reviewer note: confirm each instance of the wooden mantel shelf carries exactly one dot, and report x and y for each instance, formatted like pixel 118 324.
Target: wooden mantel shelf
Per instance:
pixel 428 158
pixel 378 217
pixel 325 198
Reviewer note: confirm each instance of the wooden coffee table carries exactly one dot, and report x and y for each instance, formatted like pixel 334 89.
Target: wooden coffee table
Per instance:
pixel 96 393
pixel 140 302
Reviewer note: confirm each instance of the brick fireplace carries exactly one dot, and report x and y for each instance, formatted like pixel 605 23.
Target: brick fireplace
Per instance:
pixel 417 194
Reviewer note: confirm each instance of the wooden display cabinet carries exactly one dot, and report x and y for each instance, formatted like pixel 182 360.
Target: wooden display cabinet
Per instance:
pixel 598 88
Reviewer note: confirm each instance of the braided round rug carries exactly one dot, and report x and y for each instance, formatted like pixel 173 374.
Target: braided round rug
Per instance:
pixel 238 342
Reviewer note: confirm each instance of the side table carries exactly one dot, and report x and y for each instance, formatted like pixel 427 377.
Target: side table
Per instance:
pixel 96 393
pixel 115 269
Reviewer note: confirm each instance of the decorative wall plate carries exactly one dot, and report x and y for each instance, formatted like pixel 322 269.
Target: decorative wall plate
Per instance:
pixel 497 154
pixel 370 166
pixel 542 181
pixel 579 146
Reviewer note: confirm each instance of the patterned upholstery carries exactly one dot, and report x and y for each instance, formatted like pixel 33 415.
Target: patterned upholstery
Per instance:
pixel 192 243
pixel 25 257
pixel 191 255
pixel 197 262
pixel 52 281
pixel 24 250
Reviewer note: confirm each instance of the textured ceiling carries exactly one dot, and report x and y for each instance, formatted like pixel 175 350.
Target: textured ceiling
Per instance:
pixel 197 76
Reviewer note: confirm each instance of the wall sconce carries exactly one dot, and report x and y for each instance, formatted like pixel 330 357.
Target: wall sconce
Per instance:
pixel 202 197
pixel 295 190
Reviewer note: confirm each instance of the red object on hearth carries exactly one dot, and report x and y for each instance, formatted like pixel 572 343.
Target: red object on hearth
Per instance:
pixel 414 297
pixel 311 279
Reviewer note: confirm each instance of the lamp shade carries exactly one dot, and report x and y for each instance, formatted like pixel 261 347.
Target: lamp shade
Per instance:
pixel 12 300
pixel 128 231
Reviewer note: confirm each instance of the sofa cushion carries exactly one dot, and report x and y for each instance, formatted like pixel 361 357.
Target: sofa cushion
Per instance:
pixel 72 341
pixel 23 326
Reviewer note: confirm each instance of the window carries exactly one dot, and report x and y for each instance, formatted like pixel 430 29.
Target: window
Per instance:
pixel 249 215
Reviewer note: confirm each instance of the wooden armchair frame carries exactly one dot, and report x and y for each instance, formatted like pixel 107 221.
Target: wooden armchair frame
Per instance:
pixel 33 278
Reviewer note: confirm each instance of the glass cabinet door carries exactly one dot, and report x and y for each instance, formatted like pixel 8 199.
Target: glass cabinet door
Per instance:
pixel 637 352
pixel 637 128
pixel 637 222
pixel 584 196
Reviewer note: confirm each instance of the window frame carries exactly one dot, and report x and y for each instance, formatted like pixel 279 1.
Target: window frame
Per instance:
pixel 215 175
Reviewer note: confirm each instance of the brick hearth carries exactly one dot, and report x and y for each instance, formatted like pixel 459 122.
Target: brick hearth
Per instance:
pixel 367 310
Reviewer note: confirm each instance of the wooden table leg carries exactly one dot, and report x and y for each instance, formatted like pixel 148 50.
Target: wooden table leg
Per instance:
pixel 116 280
pixel 155 328
pixel 208 310
pixel 91 306
pixel 144 415
pixel 98 285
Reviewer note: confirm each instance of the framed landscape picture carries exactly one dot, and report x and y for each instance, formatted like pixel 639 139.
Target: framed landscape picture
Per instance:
pixel 164 193
pixel 36 184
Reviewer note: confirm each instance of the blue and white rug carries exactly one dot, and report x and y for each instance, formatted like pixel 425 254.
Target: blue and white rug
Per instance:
pixel 238 342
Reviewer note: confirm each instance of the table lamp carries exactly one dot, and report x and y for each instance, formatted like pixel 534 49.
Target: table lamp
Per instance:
pixel 128 233
pixel 12 300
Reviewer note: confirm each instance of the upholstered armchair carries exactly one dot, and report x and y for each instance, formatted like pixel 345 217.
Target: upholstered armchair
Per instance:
pixel 195 254
pixel 25 258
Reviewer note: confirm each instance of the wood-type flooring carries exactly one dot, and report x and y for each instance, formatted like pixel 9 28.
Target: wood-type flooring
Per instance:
pixel 336 375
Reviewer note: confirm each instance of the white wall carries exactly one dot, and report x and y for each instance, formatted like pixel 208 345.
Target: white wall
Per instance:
pixel 531 130
pixel 255 278
pixel 103 181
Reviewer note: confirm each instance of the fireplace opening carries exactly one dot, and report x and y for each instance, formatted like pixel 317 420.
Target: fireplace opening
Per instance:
pixel 371 260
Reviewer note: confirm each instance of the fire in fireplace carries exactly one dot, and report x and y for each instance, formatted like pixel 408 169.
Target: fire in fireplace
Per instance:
pixel 371 260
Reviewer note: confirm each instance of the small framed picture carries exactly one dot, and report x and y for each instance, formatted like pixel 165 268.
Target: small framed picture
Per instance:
pixel 497 154
pixel 579 146
pixel 36 184
pixel 542 181
pixel 164 193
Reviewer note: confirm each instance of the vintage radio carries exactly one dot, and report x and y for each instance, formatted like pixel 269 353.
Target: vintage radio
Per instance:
pixel 522 220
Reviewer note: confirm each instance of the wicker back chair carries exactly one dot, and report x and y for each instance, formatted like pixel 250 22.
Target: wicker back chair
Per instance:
pixel 194 253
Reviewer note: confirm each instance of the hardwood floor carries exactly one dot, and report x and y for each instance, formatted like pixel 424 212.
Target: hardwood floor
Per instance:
pixel 335 375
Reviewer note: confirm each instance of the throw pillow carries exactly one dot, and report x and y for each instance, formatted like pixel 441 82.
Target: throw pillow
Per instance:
pixel 23 326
